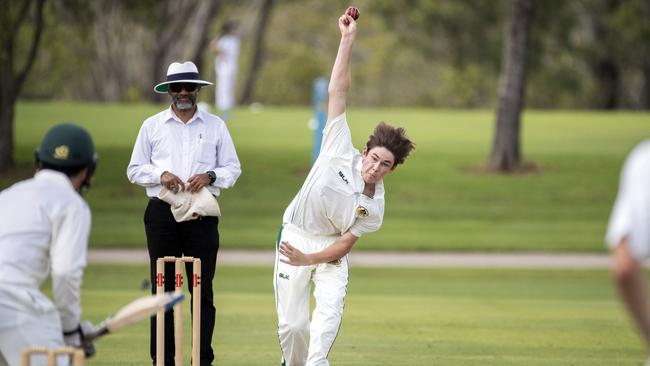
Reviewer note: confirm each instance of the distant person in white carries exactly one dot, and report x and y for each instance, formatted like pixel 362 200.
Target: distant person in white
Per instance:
pixel 44 231
pixel 628 237
pixel 226 49
pixel 341 199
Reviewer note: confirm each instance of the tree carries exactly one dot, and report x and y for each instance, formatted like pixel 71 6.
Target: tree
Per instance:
pixel 604 67
pixel 460 41
pixel 21 23
pixel 258 54
pixel 506 154
pixel 204 14
pixel 645 101
pixel 171 24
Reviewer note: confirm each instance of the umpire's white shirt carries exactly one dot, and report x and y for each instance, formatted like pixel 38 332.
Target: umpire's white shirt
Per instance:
pixel 331 201
pixel 631 214
pixel 45 227
pixel 165 143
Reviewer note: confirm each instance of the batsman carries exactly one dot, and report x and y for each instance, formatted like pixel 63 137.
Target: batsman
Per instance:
pixel 45 227
pixel 341 199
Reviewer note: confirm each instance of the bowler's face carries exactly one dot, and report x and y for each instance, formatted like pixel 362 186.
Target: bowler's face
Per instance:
pixel 376 164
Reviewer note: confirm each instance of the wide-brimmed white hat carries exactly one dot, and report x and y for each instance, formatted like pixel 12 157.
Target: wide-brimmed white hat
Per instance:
pixel 181 73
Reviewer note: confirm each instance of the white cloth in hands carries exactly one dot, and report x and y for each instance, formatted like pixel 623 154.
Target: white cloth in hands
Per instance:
pixel 187 206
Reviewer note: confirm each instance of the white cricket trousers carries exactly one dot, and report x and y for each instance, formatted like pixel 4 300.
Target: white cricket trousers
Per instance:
pixel 27 319
pixel 226 80
pixel 303 343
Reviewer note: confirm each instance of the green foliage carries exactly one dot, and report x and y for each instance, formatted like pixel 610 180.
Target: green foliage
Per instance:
pixel 62 67
pixel 409 53
pixel 453 317
pixel 441 199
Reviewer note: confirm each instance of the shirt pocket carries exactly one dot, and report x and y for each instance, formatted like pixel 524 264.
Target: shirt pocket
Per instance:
pixel 207 153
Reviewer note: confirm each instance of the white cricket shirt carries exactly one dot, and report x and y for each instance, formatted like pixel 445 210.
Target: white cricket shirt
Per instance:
pixel 45 227
pixel 228 48
pixel 631 213
pixel 165 143
pixel 331 201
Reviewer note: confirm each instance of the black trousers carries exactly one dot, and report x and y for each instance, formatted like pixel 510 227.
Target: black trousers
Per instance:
pixel 196 238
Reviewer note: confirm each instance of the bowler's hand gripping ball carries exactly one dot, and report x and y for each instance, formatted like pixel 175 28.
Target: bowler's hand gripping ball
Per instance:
pixel 353 12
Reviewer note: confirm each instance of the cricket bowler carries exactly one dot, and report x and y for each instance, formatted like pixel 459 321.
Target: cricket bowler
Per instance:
pixel 341 199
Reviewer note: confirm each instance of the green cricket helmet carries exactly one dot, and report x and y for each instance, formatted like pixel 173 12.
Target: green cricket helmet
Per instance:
pixel 67 146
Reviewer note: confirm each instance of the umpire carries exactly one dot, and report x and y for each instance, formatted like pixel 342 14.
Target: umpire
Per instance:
pixel 183 148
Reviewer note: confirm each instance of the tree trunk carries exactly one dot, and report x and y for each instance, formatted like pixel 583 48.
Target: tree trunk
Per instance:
pixel 7 105
pixel 506 154
pixel 7 102
pixel 645 99
pixel 174 21
pixel 204 15
pixel 12 78
pixel 258 55
pixel 109 74
pixel 603 67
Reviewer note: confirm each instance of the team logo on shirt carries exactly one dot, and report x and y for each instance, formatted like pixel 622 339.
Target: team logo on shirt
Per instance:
pixel 362 211
pixel 283 276
pixel 61 152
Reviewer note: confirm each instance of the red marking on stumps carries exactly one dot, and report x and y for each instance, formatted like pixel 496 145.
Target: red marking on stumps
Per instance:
pixel 179 280
pixel 195 280
pixel 159 279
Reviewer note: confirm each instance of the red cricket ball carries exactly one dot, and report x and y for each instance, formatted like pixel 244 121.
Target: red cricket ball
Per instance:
pixel 353 12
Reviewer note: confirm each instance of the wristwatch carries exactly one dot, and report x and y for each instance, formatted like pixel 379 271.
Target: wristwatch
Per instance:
pixel 212 176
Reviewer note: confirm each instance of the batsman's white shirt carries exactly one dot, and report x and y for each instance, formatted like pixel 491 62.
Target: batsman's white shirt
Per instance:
pixel 45 227
pixel 329 204
pixel 165 143
pixel 631 214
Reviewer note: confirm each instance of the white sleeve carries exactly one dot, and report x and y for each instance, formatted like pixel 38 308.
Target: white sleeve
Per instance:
pixel 337 139
pixel 631 214
pixel 228 168
pixel 369 224
pixel 140 170
pixel 68 259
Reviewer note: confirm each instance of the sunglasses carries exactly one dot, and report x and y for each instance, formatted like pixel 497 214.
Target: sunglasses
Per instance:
pixel 177 87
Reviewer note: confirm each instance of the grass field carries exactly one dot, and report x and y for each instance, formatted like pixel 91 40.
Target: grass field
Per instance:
pixel 437 201
pixel 450 317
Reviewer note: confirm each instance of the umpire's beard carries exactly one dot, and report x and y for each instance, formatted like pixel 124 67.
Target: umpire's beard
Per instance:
pixel 184 102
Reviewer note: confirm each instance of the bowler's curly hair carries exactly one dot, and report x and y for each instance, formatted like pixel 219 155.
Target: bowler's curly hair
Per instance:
pixel 392 138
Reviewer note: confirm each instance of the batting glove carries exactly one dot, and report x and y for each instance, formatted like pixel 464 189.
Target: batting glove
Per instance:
pixel 75 338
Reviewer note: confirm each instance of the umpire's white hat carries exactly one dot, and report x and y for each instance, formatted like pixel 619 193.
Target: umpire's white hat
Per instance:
pixel 181 73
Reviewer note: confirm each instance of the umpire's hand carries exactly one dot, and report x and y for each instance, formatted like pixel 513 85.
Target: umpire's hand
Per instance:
pixel 171 182
pixel 198 181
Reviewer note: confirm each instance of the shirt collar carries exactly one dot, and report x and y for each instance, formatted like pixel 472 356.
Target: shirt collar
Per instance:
pixel 170 115
pixel 54 176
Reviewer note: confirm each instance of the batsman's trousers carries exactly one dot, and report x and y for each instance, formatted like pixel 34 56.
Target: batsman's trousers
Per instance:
pixel 27 319
pixel 303 343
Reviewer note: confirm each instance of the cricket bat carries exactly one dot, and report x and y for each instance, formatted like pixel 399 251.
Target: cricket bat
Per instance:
pixel 135 311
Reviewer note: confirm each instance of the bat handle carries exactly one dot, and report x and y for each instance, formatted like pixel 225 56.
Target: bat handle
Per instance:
pixel 100 330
